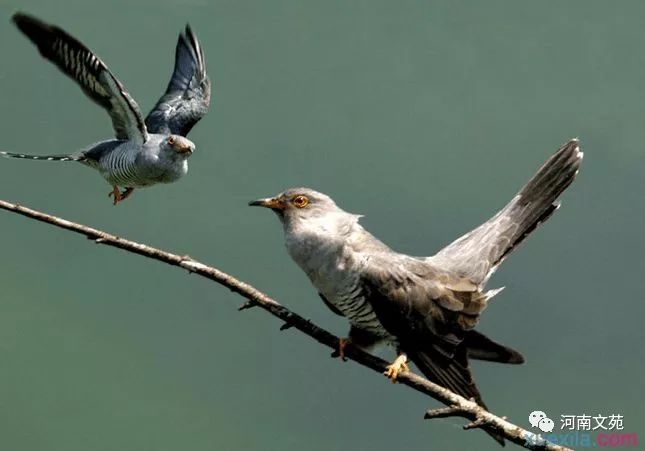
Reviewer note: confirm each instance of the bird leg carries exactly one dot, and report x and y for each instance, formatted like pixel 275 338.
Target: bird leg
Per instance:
pixel 340 352
pixel 118 195
pixel 400 365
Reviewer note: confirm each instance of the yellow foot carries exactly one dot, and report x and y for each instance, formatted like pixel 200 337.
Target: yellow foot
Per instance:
pixel 397 367
pixel 340 352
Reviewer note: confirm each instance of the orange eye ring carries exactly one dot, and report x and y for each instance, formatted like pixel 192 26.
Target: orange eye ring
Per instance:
pixel 171 140
pixel 300 201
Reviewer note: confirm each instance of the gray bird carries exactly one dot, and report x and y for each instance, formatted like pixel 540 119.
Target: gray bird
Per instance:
pixel 426 307
pixel 143 153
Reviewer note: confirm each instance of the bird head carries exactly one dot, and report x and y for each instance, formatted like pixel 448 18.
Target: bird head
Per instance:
pixel 179 145
pixel 300 208
pixel 313 224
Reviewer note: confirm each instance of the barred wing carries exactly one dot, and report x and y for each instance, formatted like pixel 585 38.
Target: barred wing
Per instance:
pixel 92 75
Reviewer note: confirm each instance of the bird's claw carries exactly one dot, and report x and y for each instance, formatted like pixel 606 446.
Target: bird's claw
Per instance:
pixel 118 195
pixel 340 352
pixel 397 367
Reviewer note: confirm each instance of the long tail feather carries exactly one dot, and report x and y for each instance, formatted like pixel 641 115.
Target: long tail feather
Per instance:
pixel 41 157
pixel 537 201
pixel 477 254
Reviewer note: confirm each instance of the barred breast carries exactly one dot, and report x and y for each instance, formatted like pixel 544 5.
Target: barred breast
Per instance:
pixel 358 311
pixel 334 269
pixel 131 166
pixel 119 168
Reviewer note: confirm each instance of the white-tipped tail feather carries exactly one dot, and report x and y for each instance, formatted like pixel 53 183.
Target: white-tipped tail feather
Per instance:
pixel 41 157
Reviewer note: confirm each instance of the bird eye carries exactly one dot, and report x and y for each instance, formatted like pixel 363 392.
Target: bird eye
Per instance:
pixel 300 201
pixel 171 140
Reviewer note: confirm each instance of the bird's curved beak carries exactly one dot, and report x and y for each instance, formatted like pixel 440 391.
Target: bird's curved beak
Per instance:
pixel 184 149
pixel 274 203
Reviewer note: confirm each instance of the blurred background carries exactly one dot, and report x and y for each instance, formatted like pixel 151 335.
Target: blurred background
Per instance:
pixel 426 117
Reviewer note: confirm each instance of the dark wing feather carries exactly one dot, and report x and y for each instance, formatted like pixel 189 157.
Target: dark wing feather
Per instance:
pixel 476 254
pixel 413 301
pixel 188 95
pixel 91 74
pixel 418 303
pixel 455 375
pixel 481 347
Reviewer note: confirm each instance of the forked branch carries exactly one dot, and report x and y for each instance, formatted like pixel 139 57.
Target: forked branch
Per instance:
pixel 457 405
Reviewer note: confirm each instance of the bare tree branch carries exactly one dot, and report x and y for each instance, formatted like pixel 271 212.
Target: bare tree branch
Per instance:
pixel 457 405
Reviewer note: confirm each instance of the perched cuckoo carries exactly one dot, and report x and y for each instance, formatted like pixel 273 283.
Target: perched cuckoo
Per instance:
pixel 426 307
pixel 143 153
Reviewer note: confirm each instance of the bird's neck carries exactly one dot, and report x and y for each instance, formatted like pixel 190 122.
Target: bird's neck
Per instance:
pixel 323 238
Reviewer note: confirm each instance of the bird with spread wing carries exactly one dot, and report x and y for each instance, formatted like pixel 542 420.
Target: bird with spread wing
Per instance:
pixel 426 307
pixel 143 153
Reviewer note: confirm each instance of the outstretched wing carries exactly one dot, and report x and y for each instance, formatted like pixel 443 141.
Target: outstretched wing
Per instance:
pixel 188 95
pixel 92 75
pixel 477 254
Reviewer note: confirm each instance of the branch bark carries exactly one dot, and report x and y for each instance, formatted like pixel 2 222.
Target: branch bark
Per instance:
pixel 457 405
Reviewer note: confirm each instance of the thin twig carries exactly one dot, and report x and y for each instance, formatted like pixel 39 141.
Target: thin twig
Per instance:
pixel 458 406
pixel 442 412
